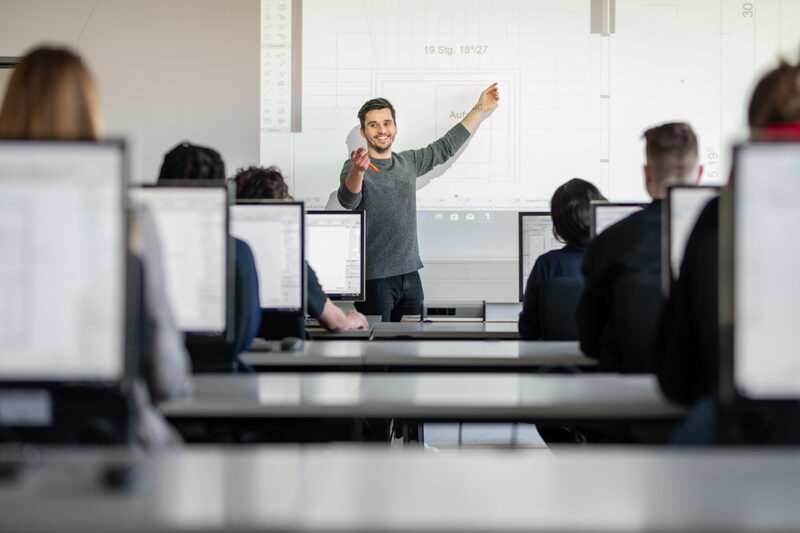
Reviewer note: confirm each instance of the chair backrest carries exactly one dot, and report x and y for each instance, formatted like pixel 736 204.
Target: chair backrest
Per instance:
pixel 558 301
pixel 638 304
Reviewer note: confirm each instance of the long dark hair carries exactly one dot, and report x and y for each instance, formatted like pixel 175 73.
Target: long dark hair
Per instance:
pixel 569 208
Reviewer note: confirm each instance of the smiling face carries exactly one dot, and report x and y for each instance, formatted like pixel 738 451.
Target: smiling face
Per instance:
pixel 379 130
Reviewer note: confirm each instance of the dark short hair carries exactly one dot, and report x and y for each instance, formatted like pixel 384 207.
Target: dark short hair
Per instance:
pixel 570 210
pixel 776 98
pixel 372 105
pixel 191 162
pixel 260 183
pixel 671 151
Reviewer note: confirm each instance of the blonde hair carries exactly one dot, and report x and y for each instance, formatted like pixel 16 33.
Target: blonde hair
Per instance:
pixel 51 95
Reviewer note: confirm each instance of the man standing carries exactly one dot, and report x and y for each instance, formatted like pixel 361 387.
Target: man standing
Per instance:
pixel 383 184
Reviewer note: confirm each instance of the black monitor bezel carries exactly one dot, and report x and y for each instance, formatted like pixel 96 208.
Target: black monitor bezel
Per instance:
pixel 360 297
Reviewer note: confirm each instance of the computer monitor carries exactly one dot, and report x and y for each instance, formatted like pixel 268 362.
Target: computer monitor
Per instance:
pixel 682 207
pixel 605 214
pixel 274 230
pixel 335 250
pixel 535 238
pixel 765 218
pixel 191 218
pixel 62 263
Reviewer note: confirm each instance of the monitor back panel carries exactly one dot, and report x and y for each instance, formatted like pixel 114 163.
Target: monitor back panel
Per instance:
pixel 62 261
pixel 335 250
pixel 683 206
pixel 766 360
pixel 192 226
pixel 274 231
pixel 606 214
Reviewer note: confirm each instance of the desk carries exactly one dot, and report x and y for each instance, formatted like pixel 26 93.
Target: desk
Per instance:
pixel 423 356
pixel 320 333
pixel 357 488
pixel 425 397
pixel 446 330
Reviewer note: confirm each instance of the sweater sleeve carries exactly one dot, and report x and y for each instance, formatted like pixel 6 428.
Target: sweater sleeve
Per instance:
pixel 439 150
pixel 349 200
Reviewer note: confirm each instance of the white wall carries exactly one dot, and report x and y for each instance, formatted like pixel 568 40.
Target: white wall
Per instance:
pixel 168 70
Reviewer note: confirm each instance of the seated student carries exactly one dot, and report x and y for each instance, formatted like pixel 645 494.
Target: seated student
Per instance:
pixel 687 357
pixel 633 245
pixel 191 162
pixel 268 183
pixel 569 209
pixel 52 95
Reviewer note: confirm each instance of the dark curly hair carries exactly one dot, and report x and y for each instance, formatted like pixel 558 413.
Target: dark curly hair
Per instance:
pixel 258 183
pixel 570 210
pixel 191 162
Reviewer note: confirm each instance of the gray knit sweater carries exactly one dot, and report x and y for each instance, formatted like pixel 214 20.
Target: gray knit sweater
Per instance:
pixel 389 199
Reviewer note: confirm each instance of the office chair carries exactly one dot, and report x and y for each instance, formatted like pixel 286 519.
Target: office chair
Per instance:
pixel 558 300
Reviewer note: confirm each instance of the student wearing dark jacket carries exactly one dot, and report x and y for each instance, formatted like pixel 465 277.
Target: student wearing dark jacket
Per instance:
pixel 569 208
pixel 633 245
pixel 188 161
pixel 268 183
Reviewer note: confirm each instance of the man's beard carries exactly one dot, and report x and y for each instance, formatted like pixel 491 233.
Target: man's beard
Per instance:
pixel 381 149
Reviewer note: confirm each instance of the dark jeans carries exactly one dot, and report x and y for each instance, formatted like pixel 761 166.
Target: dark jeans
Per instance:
pixel 393 297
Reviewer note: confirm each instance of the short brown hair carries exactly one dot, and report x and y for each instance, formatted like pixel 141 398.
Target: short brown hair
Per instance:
pixel 671 151
pixel 373 105
pixel 51 95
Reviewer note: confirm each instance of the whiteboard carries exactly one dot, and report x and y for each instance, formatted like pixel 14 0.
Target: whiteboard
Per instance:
pixel 574 99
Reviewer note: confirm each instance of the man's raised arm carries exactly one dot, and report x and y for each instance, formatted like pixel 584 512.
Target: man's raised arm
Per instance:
pixel 486 102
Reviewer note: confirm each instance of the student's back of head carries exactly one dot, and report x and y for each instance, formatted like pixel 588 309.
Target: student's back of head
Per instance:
pixel 774 109
pixel 570 209
pixel 51 95
pixel 258 183
pixel 672 157
pixel 188 161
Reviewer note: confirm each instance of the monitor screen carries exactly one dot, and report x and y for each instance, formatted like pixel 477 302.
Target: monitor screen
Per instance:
pixel 535 238
pixel 684 205
pixel 766 362
pixel 192 225
pixel 62 261
pixel 335 250
pixel 274 231
pixel 605 214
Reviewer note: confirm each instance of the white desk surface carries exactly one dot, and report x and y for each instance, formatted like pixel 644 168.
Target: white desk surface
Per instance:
pixel 474 354
pixel 338 488
pixel 446 330
pixel 476 397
